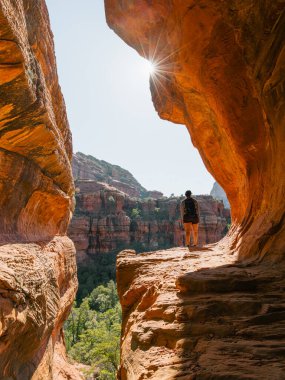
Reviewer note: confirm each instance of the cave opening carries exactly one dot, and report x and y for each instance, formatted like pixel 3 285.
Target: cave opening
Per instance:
pixel 132 135
pixel 212 313
pixel 116 77
pixel 111 115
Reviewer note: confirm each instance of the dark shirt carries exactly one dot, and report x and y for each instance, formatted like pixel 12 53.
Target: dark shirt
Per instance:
pixel 182 207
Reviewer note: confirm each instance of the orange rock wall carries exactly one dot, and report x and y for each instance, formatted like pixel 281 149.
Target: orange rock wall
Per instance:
pixel 219 71
pixel 200 316
pixel 37 261
pixel 35 143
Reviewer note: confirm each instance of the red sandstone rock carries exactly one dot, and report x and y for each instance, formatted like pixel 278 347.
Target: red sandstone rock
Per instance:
pixel 37 262
pixel 220 71
pixel 38 286
pixel 199 315
pixel 35 142
pixel 88 167
pixel 103 221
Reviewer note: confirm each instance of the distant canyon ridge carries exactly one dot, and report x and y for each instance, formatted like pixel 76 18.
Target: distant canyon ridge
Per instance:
pixel 114 212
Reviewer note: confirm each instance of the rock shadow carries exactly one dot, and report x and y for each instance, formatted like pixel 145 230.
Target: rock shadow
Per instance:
pixel 231 323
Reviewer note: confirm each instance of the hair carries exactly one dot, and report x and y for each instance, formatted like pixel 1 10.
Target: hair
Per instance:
pixel 188 193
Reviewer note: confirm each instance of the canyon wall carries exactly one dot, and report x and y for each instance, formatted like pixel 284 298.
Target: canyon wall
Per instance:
pixel 216 313
pixel 88 167
pixel 220 71
pixel 107 219
pixel 37 261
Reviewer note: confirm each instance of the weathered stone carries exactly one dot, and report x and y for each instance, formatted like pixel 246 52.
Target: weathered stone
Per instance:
pixel 199 315
pixel 104 221
pixel 220 71
pixel 37 261
pixel 90 168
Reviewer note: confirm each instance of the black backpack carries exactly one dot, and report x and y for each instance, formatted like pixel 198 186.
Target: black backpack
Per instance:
pixel 189 207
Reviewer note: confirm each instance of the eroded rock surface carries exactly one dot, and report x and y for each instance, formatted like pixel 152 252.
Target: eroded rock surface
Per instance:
pixel 37 261
pixel 200 316
pixel 35 143
pixel 109 220
pixel 220 71
pixel 37 288
pixel 86 167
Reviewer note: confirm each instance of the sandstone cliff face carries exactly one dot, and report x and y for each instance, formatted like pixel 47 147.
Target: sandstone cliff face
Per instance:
pixel 37 262
pixel 200 316
pixel 108 220
pixel 219 313
pixel 220 71
pixel 88 167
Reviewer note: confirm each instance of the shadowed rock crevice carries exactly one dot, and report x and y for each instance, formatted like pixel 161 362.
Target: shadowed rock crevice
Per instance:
pixel 191 316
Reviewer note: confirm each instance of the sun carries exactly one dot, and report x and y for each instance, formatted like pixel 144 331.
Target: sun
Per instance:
pixel 149 67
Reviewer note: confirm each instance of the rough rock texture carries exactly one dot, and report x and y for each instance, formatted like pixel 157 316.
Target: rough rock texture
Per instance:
pixel 218 192
pixel 220 71
pixel 200 316
pixel 35 145
pixel 88 167
pixel 37 290
pixel 37 262
pixel 104 221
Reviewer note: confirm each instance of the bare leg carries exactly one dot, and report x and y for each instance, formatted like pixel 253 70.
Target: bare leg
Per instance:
pixel 195 232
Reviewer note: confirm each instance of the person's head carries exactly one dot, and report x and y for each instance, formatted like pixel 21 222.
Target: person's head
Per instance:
pixel 188 193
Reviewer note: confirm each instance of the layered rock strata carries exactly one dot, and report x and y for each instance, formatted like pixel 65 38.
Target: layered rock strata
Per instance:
pixel 37 261
pixel 220 71
pixel 86 167
pixel 200 316
pixel 108 220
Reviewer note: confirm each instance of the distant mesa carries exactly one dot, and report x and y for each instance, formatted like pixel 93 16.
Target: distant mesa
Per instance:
pixel 86 167
pixel 114 212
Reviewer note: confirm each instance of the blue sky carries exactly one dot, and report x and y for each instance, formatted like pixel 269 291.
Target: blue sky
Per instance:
pixel 106 88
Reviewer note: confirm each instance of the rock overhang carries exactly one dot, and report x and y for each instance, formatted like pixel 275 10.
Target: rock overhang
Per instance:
pixel 220 69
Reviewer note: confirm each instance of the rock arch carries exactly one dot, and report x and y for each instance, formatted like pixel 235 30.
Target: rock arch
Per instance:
pixel 220 71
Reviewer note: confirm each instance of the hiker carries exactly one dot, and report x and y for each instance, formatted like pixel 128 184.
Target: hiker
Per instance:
pixel 189 210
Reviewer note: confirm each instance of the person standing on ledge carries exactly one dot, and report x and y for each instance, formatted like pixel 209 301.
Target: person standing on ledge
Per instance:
pixel 189 211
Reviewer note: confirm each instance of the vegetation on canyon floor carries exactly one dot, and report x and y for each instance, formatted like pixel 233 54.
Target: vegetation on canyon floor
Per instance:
pixel 92 332
pixel 99 271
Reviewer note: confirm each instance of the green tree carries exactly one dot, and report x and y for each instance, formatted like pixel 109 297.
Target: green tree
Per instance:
pixel 93 331
pixel 135 213
pixel 78 321
pixel 103 298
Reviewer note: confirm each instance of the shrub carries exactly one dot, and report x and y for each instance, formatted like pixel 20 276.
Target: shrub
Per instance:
pixel 135 213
